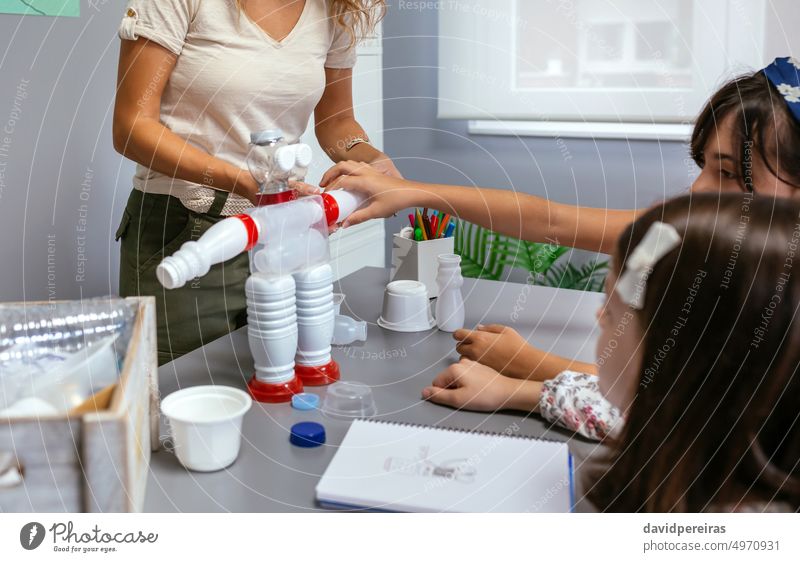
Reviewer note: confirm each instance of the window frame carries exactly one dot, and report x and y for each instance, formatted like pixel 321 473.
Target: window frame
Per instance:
pixel 475 59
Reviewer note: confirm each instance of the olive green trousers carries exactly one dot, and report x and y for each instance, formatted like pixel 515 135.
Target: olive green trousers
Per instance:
pixel 155 226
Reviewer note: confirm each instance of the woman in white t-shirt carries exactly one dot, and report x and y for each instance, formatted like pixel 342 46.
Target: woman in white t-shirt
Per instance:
pixel 195 78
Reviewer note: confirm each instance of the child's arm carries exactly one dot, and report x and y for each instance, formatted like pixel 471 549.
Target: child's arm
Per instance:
pixel 510 213
pixel 473 386
pixel 572 400
pixel 507 352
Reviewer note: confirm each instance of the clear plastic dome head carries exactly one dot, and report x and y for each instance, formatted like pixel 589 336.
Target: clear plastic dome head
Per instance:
pixel 266 161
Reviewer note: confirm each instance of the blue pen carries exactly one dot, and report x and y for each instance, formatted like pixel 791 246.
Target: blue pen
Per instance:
pixel 450 228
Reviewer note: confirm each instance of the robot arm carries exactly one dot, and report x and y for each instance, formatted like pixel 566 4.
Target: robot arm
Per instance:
pixel 287 237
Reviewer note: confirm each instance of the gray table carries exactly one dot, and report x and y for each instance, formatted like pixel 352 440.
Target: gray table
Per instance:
pixel 271 475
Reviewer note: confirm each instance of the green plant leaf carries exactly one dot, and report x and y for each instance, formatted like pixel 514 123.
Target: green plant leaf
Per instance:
pixel 486 255
pixel 588 277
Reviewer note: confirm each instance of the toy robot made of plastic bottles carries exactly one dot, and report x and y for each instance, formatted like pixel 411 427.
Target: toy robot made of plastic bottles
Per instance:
pixel 290 309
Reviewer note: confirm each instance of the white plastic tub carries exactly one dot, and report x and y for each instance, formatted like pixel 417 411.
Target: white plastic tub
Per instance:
pixel 206 425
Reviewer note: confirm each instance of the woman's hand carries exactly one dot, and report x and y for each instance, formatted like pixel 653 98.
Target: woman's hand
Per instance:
pixel 244 184
pixel 498 347
pixel 384 165
pixel 473 386
pixel 385 194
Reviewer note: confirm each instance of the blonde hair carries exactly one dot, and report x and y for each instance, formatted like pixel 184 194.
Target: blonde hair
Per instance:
pixel 357 17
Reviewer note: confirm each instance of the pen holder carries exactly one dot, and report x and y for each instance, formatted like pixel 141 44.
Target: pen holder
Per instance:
pixel 417 260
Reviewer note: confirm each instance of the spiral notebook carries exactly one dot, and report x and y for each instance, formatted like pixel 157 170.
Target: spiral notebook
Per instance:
pixel 387 466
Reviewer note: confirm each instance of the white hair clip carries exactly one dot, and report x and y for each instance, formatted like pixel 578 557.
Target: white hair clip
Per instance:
pixel 660 239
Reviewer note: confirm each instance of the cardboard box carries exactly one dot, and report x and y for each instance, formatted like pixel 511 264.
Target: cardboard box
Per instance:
pixel 94 459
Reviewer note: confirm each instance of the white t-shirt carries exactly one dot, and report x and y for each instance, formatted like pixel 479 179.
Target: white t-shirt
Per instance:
pixel 231 78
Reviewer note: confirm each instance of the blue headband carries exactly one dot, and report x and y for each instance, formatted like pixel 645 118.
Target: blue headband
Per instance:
pixel 785 76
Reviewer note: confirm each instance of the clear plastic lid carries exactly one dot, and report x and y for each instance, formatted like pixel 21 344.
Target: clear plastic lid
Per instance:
pixel 348 400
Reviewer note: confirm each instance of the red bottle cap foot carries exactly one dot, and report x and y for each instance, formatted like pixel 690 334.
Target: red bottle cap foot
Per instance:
pixel 274 392
pixel 319 375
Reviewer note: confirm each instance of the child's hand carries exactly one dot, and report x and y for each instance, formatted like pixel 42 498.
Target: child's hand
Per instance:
pixel 473 386
pixel 384 165
pixel 303 188
pixel 498 347
pixel 385 194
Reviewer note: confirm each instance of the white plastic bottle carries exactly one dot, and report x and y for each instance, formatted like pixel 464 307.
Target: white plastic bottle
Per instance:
pixel 272 334
pixel 347 330
pixel 340 204
pixel 223 241
pixel 264 227
pixel 450 303
pixel 315 323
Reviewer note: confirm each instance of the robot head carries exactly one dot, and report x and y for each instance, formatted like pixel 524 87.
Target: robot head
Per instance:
pixel 272 161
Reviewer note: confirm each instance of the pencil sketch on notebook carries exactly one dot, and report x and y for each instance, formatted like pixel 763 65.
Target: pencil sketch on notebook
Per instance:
pixel 458 470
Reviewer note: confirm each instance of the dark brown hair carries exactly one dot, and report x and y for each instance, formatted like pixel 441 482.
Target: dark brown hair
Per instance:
pixel 714 424
pixel 762 126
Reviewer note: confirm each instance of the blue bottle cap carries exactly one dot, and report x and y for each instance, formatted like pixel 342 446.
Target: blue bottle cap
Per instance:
pixel 307 434
pixel 305 401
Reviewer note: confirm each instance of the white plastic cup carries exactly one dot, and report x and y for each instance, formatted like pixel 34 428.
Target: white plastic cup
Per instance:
pixel 406 307
pixel 206 425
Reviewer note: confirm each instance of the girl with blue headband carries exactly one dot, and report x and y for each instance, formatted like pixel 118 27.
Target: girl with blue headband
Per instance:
pixel 747 137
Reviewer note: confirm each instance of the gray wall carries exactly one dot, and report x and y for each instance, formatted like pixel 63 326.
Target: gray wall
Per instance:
pixel 603 173
pixel 62 186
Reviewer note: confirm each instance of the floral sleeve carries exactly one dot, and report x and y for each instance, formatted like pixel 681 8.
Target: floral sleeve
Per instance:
pixel 574 401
